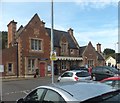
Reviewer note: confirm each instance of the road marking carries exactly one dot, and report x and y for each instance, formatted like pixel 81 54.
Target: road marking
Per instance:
pixel 15 92
pixel 25 92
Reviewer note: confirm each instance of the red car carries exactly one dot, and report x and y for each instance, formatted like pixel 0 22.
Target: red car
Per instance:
pixel 113 81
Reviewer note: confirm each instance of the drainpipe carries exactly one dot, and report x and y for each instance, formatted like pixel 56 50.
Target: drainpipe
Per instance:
pixel 17 61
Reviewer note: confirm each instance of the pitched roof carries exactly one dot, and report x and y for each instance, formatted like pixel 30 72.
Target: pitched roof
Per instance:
pixel 57 34
pixel 100 57
pixel 82 49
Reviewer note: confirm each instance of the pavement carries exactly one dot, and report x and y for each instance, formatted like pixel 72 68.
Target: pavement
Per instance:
pixel 24 78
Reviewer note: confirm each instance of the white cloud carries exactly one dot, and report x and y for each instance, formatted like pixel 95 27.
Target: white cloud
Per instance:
pixel 96 3
pixel 77 1
pixel 106 37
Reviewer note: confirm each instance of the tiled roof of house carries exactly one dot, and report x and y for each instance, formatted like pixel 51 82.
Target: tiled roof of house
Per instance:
pixel 100 57
pixel 82 49
pixel 57 34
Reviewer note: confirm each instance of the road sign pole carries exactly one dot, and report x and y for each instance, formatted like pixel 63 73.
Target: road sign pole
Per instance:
pixel 52 44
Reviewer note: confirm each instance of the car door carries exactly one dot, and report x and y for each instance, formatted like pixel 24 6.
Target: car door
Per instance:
pixel 35 95
pixel 107 73
pixel 99 73
pixel 67 76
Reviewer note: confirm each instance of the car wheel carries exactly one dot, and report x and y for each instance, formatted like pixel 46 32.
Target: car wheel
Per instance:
pixel 58 80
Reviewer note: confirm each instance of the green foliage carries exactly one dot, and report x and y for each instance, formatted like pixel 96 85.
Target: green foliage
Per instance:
pixel 109 52
pixel 4 39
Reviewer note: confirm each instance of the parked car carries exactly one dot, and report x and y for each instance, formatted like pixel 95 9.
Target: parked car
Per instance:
pixel 74 75
pixel 69 92
pixel 102 72
pixel 74 67
pixel 113 81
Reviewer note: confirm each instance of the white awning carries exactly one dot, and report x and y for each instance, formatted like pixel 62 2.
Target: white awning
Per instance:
pixel 68 58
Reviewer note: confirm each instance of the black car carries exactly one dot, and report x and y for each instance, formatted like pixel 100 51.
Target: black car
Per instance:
pixel 101 72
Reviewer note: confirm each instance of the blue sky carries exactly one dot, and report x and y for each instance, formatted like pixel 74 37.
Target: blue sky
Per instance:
pixel 91 20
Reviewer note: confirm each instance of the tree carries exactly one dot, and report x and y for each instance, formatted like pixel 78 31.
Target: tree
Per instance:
pixel 109 52
pixel 3 39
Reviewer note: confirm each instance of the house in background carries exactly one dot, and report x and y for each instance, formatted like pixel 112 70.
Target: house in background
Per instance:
pixel 118 60
pixel 91 57
pixel 29 47
pixel 110 61
pixel 113 61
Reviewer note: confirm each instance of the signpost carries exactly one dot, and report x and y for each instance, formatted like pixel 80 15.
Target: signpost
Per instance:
pixel 53 56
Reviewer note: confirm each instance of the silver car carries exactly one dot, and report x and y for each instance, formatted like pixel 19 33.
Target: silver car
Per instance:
pixel 69 92
pixel 74 75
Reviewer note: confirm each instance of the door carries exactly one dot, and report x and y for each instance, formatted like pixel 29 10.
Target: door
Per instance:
pixel 42 69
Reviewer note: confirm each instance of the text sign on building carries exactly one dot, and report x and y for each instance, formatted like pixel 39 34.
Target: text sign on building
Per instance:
pixel 1 68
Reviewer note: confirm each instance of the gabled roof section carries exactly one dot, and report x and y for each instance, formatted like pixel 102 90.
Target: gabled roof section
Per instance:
pixel 57 34
pixel 21 28
pixel 100 57
pixel 82 49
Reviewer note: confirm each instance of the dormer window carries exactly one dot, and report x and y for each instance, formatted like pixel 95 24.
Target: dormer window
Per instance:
pixel 36 44
pixel 64 48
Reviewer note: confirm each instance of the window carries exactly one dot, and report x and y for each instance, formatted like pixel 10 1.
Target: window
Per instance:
pixel 63 64
pixel 64 48
pixel 68 74
pixel 10 67
pixel 72 51
pixel 82 74
pixel 36 44
pixel 35 95
pixel 53 97
pixel 31 65
pixel 90 63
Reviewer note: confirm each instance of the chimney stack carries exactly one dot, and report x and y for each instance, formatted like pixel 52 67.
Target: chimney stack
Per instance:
pixel 43 23
pixel 70 31
pixel 11 32
pixel 99 47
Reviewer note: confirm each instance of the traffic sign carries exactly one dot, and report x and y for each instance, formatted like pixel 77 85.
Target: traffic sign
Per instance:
pixel 53 56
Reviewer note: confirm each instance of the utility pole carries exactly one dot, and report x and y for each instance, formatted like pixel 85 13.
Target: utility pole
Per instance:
pixel 52 41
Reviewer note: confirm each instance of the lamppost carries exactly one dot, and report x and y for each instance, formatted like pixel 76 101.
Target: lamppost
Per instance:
pixel 116 54
pixel 52 44
pixel 17 63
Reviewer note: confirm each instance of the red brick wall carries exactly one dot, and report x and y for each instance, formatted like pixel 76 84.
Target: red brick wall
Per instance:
pixel 90 53
pixel 9 56
pixel 35 29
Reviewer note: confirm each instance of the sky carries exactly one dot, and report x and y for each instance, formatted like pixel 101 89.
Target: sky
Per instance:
pixel 91 20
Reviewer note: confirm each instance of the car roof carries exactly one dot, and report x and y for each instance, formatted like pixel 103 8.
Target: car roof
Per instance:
pixel 111 78
pixel 82 90
pixel 76 71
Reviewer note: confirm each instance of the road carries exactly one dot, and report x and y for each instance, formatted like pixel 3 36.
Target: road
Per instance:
pixel 15 89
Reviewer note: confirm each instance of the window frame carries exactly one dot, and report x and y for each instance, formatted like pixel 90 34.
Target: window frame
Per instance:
pixel 36 44
pixel 31 66
pixel 11 67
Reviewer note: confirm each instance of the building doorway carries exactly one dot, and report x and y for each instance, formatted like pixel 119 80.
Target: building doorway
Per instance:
pixel 42 69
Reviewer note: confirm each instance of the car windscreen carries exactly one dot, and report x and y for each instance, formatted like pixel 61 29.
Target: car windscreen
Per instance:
pixel 82 74
pixel 113 69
